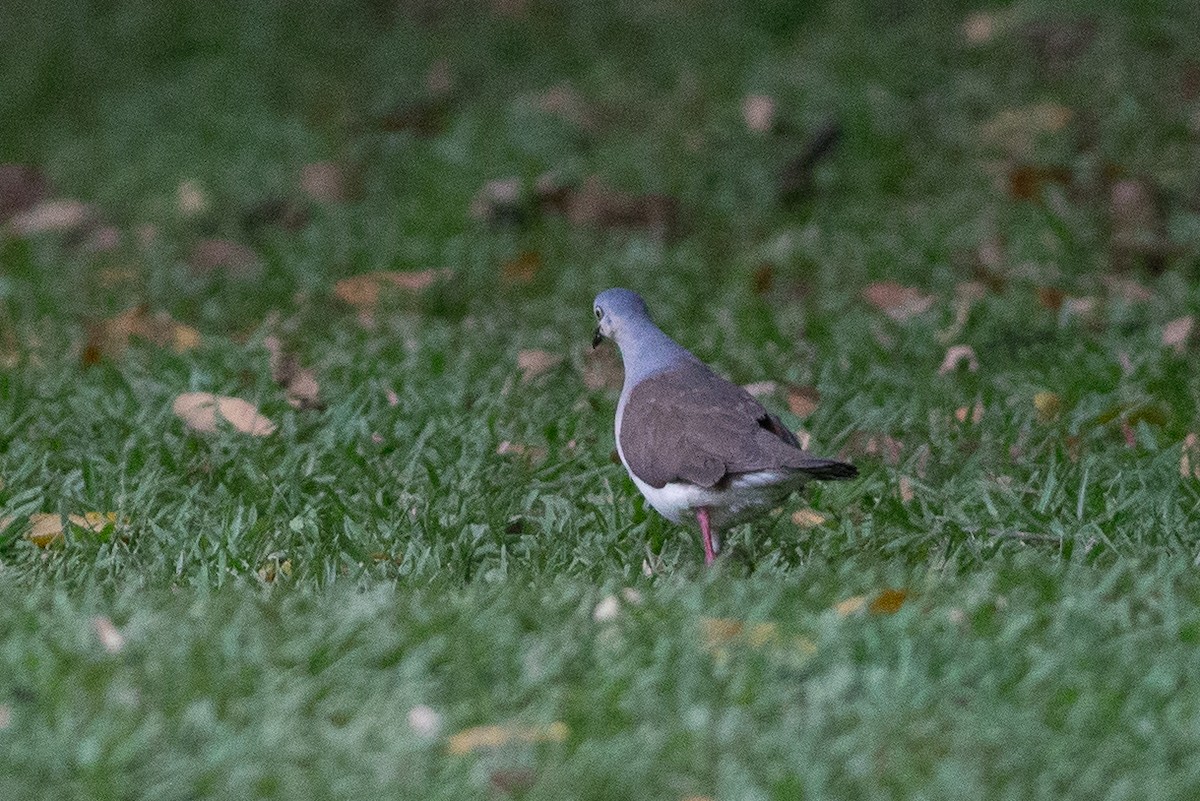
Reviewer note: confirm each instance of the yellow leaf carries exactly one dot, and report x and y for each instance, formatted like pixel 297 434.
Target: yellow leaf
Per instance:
pixel 1048 406
pixel 363 291
pixel 201 411
pixel 47 528
pixel 480 738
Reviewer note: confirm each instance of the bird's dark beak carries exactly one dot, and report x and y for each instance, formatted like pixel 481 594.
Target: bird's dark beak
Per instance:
pixel 597 338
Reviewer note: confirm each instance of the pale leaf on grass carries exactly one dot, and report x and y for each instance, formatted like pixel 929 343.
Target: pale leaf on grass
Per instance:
pixel 533 363
pixel 1176 333
pixel 758 112
pixel 52 216
pixel 324 182
pixel 720 634
pixel 957 355
pixel 803 400
pixel 484 738
pixel 46 529
pixel 974 413
pixel 425 721
pixel 364 291
pixel 808 518
pixel 204 412
pixel 233 259
pixel 1048 406
pixel 905 488
pixel 110 637
pixel 897 301
pixel 5 716
pixel 1189 457
pixel 190 199
pixel 110 338
pixel 1016 130
pixel 760 388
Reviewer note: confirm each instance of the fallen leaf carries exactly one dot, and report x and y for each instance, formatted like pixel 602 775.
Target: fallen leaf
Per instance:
pixel 21 187
pixel 512 781
pixel 763 279
pixel 905 488
pixel 274 569
pixel 897 301
pixel 1127 289
pixel 533 363
pixel 887 602
pixel 425 721
pixel 523 268
pixel 980 27
pixel 190 199
pixel 803 400
pixel 564 102
pixel 363 291
pixel 497 201
pixel 760 388
pixel 599 205
pixel 110 338
pixel 884 446
pixel 808 518
pixel 607 610
pixel 974 413
pixel 533 454
pixel 1048 406
pixel 482 738
pixel 851 605
pixel 324 182
pixel 5 716
pixel 1051 297
pixel 209 256
pixel 299 384
pixel 955 356
pixel 48 528
pixel 52 216
pixel 1029 182
pixel 1189 457
pixel 102 239
pixel 201 411
pixel 1016 130
pixel 110 637
pixel 1176 333
pixel 758 112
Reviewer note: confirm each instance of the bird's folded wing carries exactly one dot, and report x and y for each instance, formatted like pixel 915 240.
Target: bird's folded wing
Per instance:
pixel 691 425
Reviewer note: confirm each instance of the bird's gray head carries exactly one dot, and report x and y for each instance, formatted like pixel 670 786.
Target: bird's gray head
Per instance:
pixel 616 311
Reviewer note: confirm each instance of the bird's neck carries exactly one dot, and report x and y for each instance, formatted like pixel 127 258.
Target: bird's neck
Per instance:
pixel 647 351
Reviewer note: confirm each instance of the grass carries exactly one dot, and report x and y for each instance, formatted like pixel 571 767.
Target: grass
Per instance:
pixel 286 602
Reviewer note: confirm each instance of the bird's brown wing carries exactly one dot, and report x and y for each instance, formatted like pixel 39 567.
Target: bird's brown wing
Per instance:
pixel 691 425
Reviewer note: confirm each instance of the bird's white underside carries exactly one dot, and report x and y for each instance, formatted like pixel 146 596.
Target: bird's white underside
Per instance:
pixel 742 497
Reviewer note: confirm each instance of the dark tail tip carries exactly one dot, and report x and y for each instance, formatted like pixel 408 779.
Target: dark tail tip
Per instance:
pixel 829 470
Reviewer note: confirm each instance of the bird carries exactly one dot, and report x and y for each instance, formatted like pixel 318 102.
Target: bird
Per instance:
pixel 695 444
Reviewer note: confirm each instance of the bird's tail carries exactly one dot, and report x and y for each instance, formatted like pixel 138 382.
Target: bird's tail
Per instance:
pixel 828 469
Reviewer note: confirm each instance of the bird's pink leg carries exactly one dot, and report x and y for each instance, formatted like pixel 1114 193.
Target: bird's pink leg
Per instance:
pixel 706 532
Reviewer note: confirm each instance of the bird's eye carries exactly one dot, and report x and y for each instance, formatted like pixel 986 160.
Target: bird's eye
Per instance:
pixel 599 313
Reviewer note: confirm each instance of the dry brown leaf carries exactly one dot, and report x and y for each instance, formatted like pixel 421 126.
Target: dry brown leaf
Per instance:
pixel 1016 130
pixel 274 569
pixel 1176 333
pixel 758 112
pixel 222 255
pixel 48 528
pixel 110 338
pixel 600 205
pixel 905 487
pixel 201 411
pixel 897 301
pixel 523 268
pixel 482 738
pixel 808 518
pixel 887 602
pixel 1029 182
pixel 299 383
pixel 883 446
pixel 324 182
pixel 363 291
pixel 980 27
pixel 533 363
pixel 52 216
pixel 1189 457
pixel 602 369
pixel 533 454
pixel 110 637
pixel 1051 297
pixel 21 187
pixel 1048 406
pixel 803 400
pixel 955 356
pixel 564 102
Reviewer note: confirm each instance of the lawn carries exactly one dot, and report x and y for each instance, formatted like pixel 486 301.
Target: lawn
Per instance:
pixel 956 245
